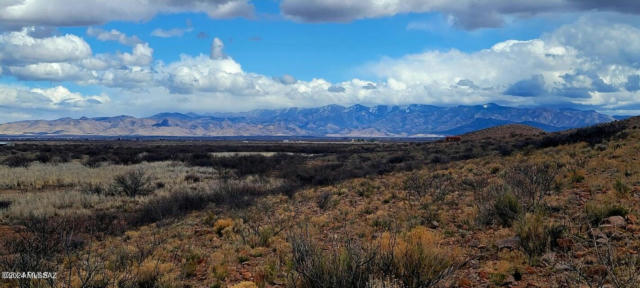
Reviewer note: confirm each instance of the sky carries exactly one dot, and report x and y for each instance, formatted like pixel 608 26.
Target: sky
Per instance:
pixel 74 58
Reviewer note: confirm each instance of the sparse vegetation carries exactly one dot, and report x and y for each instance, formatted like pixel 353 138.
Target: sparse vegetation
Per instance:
pixel 561 210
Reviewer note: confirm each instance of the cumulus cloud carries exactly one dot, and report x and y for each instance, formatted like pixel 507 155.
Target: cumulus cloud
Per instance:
pixel 561 67
pixel 49 72
pixel 113 35
pixel 56 98
pixel 141 55
pixel 19 13
pixel 468 14
pixel 69 58
pixel 553 69
pixel 21 47
pixel 203 73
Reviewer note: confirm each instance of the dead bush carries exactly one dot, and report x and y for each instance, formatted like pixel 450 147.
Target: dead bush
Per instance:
pixel 531 182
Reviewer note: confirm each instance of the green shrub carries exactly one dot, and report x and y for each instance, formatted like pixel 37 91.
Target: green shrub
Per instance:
pixel 506 208
pixel 133 183
pixel 596 212
pixel 347 266
pixel 324 200
pixel 621 188
pixel 534 235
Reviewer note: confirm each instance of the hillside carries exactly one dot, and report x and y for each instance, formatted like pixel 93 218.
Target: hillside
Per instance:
pixel 543 210
pixel 503 132
pixel 333 120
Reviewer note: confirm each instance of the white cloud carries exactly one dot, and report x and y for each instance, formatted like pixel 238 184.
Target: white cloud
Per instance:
pixel 203 73
pixel 175 32
pixel 559 67
pixel 20 47
pixel 217 49
pixel 113 35
pixel 142 55
pixel 69 58
pixel 56 98
pixel 18 13
pixel 49 72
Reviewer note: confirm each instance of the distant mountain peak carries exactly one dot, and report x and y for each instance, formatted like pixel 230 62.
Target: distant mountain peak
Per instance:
pixel 329 120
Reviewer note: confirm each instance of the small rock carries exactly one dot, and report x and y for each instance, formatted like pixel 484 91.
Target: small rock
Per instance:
pixel 562 267
pixel 509 243
pixel 616 221
pixel 435 224
pixel 548 259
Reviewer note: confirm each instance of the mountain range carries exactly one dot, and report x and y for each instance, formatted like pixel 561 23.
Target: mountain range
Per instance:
pixel 331 121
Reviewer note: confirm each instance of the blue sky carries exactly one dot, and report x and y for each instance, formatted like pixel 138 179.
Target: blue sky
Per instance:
pixel 114 58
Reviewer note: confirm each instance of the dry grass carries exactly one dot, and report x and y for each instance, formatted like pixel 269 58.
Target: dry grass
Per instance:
pixel 40 176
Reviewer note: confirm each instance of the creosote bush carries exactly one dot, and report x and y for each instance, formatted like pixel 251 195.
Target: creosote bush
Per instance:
pixel 133 183
pixel 497 205
pixel 507 208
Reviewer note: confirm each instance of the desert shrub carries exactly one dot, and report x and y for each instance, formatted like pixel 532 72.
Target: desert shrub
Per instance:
pixel 506 208
pixel 592 135
pixel 496 204
pixel 533 233
pixel 475 183
pixel 348 265
pixel 438 185
pixel 95 189
pixel 414 259
pixel 167 206
pixel 133 183
pixel 35 247
pixel 596 212
pixel 18 160
pixel 417 259
pixel 610 265
pixel 621 188
pixel 530 182
pixel 556 231
pixel 324 199
pixel 192 178
pixel 222 224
